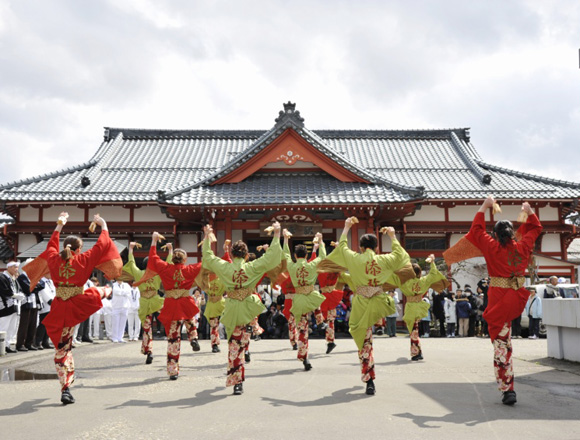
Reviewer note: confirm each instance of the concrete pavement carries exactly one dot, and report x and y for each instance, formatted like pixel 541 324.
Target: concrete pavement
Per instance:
pixel 451 394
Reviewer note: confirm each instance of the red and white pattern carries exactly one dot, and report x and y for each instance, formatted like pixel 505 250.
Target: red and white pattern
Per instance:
pixel 191 327
pixel 63 359
pixel 256 329
pixel 502 359
pixel 303 338
pixel 318 315
pixel 292 333
pixel 366 358
pixel 237 346
pixel 147 343
pixel 330 317
pixel 173 347
pixel 415 340
pixel 214 331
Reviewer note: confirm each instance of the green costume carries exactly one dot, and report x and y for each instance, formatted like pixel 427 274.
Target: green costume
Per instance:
pixel 215 309
pixel 368 269
pixel 415 288
pixel 147 306
pixel 303 274
pixel 240 274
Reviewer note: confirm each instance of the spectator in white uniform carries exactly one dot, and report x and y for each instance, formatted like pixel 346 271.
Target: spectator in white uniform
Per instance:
pixel 133 321
pixel 10 294
pixel 120 302
pixel 46 295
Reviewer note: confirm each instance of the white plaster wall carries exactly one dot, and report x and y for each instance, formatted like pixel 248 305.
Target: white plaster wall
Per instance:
pixel 25 241
pixel 29 214
pixel 464 213
pixel 75 214
pixel 111 213
pixel 236 235
pixel 150 214
pixel 188 242
pixel 548 213
pixel 551 243
pixel 428 213
pixel 509 212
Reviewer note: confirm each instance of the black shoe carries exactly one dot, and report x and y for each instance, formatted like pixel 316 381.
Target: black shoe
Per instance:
pixel 509 398
pixel 149 359
pixel 330 347
pixel 380 332
pixel 295 347
pixel 195 345
pixel 22 348
pixel 66 397
pixel 87 339
pixel 215 348
pixel 47 346
pixel 173 377
pixel 307 365
pixel 32 347
pixel 238 389
pixel 418 357
pixel 38 347
pixel 247 357
pixel 370 391
pixel 10 350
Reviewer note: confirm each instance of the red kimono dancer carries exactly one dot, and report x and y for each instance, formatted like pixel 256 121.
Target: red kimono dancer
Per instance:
pixel 288 290
pixel 179 307
pixel 327 282
pixel 507 298
pixel 72 304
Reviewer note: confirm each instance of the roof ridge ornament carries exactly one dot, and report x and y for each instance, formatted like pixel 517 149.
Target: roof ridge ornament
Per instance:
pixel 289 116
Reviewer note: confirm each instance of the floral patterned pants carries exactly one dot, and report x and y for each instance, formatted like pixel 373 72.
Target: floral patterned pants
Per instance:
pixel 63 359
pixel 256 329
pixel 303 338
pixel 214 331
pixel 502 359
pixel 147 343
pixel 331 315
pixel 365 356
pixel 237 344
pixel 318 316
pixel 173 347
pixel 292 334
pixel 415 341
pixel 191 327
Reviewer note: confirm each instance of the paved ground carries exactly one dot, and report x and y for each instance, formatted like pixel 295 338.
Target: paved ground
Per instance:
pixel 449 395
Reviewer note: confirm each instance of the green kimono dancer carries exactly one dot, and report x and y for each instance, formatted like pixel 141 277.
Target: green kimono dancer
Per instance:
pixel 368 269
pixel 240 274
pixel 414 289
pixel 303 274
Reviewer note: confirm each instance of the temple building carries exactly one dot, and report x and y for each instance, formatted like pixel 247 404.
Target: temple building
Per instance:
pixel 428 184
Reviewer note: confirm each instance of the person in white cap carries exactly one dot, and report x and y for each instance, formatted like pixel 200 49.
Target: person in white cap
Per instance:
pixel 121 302
pixel 10 293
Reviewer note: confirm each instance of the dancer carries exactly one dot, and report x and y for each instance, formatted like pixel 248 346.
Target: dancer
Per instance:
pixel 177 279
pixel 289 291
pixel 240 278
pixel 216 303
pixel 332 297
pixel 70 269
pixel 306 299
pixel 368 272
pixel 506 254
pixel 416 309
pixel 149 301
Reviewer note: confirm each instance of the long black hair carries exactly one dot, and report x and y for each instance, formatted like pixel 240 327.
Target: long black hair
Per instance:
pixel 503 232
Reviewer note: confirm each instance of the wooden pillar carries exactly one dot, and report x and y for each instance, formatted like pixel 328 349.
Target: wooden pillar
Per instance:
pixel 228 227
pixel 354 237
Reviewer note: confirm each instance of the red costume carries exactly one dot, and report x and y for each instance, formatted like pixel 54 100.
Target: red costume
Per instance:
pixel 506 265
pixel 72 304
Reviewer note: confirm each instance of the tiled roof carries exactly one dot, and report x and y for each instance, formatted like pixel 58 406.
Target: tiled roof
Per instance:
pixel 291 188
pixel 39 248
pixel 138 165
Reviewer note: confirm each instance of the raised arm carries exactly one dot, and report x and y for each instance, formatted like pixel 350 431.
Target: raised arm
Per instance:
pixel 398 256
pixel 342 255
pixel 209 260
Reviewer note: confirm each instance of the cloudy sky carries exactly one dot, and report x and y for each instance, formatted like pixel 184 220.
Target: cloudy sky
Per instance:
pixel 508 69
